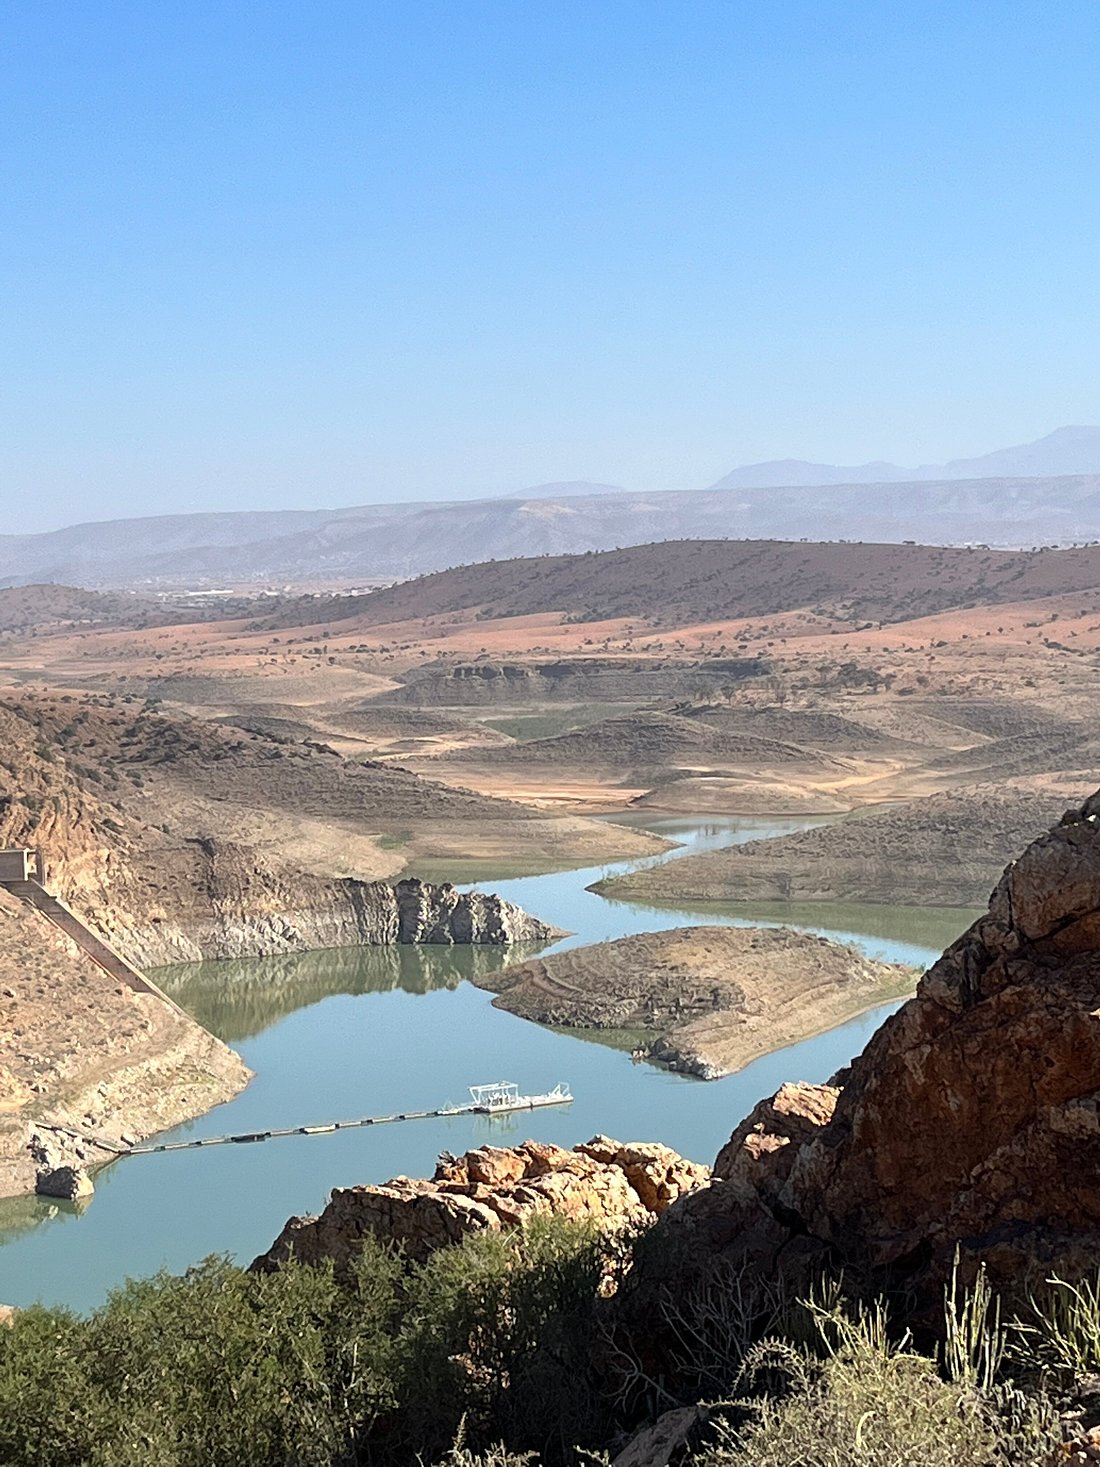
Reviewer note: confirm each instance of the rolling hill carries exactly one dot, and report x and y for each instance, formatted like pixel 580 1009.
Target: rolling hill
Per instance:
pixel 1073 450
pixel 691 581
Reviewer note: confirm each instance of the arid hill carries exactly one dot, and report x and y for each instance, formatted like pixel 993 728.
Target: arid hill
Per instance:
pixel 49 607
pixel 371 543
pixel 632 680
pixel 181 839
pixel 657 738
pixel 899 671
pixel 682 582
pixel 176 838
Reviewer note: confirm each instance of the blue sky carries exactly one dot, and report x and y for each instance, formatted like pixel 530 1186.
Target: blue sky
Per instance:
pixel 279 254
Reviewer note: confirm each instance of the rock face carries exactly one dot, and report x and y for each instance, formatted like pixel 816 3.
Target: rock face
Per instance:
pixel 67 1182
pixel 608 1182
pixel 971 1120
pixel 231 904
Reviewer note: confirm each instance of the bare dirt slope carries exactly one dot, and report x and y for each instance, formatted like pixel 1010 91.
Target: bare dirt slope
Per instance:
pixel 651 738
pixel 706 1000
pixel 81 1050
pixel 118 791
pixel 686 759
pixel 900 671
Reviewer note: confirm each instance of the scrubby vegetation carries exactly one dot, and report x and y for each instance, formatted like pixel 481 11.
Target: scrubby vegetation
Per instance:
pixel 497 1353
pixel 223 1368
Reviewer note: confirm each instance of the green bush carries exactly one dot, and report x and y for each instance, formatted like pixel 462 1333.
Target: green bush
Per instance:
pixel 219 1368
pixel 496 1342
pixel 480 1357
pixel 485 1343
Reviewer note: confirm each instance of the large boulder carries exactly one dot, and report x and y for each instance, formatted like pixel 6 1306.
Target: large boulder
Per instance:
pixel 971 1121
pixel 490 1189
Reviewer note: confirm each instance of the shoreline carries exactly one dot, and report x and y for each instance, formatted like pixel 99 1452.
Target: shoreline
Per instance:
pixel 763 1051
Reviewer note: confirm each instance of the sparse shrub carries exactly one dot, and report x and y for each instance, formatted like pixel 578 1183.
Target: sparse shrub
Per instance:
pixel 872 1400
pixel 1062 1336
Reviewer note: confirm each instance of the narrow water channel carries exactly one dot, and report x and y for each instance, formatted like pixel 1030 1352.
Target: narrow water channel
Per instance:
pixel 367 1031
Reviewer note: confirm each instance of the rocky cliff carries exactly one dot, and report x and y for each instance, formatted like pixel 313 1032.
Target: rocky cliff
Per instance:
pixel 971 1121
pixel 225 901
pixel 604 1181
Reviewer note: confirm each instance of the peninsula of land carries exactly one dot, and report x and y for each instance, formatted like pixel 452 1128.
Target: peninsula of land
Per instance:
pixel 702 1000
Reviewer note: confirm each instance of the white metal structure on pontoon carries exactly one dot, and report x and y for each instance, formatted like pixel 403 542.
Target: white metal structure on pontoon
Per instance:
pixel 503 1095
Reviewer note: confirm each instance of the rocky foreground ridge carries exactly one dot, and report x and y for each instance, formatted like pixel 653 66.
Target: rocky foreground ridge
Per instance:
pixel 606 1182
pixel 971 1121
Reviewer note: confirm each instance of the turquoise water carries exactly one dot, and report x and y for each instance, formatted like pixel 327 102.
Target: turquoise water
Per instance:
pixel 372 1031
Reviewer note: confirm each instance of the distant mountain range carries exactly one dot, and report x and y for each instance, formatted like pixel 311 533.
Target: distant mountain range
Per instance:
pixel 1002 505
pixel 1074 450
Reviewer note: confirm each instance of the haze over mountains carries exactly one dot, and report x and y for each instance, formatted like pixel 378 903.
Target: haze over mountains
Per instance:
pixel 1066 451
pixel 1046 492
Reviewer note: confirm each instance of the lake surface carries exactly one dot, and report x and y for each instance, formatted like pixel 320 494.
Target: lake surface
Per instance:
pixel 370 1031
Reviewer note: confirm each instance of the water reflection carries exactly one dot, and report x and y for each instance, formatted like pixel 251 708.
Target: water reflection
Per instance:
pixel 239 997
pixel 20 1215
pixel 893 933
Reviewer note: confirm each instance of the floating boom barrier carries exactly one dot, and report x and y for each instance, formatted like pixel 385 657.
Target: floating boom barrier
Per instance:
pixel 499 1098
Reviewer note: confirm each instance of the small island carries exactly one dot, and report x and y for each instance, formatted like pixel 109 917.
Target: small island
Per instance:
pixel 703 1000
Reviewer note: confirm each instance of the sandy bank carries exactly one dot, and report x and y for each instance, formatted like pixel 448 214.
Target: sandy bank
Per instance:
pixel 705 1000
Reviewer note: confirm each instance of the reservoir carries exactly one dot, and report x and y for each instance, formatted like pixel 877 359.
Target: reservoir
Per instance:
pixel 369 1031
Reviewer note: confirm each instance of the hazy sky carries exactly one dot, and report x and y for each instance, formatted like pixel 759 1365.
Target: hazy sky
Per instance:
pixel 307 252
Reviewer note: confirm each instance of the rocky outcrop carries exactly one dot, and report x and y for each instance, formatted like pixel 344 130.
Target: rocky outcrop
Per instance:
pixel 66 1182
pixel 489 1189
pixel 971 1121
pixel 229 903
